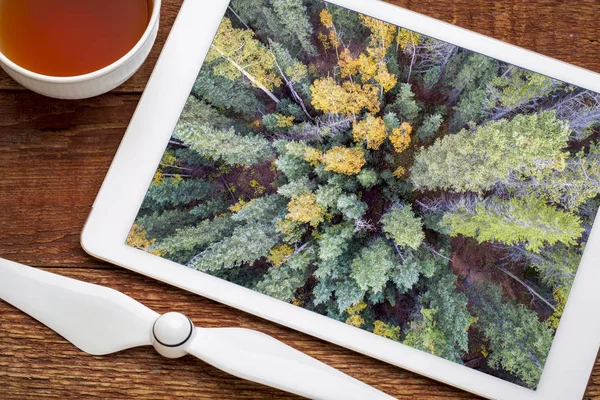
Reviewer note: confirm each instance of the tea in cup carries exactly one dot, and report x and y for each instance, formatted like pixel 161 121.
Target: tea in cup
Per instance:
pixel 75 48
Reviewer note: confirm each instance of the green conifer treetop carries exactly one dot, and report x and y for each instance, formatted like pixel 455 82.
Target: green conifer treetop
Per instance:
pixel 476 161
pixel 529 220
pixel 403 227
pixel 519 341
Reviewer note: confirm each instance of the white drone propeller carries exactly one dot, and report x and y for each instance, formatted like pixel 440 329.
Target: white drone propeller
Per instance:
pixel 100 321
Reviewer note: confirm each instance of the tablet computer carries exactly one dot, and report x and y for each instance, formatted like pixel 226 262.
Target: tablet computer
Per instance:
pixel 396 185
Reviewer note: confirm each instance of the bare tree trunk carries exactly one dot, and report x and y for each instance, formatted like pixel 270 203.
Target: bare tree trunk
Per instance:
pixel 295 94
pixel 229 189
pixel 239 18
pixel 178 167
pixel 298 250
pixel 399 252
pixel 431 249
pixel 177 143
pixel 412 60
pixel 252 79
pixel 529 288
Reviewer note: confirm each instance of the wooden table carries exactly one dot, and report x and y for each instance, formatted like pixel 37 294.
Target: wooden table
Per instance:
pixel 53 158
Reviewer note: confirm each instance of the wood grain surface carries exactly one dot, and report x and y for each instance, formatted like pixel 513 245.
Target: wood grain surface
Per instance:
pixel 53 158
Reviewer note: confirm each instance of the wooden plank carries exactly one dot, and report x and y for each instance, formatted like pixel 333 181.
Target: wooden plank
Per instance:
pixel 549 27
pixel 54 155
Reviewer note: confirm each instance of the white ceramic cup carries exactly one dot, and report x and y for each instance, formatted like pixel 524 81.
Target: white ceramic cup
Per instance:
pixel 94 83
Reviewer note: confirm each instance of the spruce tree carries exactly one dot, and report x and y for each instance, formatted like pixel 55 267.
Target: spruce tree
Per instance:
pixel 403 227
pixel 190 240
pixel 529 221
pixel 519 341
pixel 224 145
pixel 371 268
pixel 476 161
pixel 290 22
pixel 237 96
pixel 570 186
pixel 451 317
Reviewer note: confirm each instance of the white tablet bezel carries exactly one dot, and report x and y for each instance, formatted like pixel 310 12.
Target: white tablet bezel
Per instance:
pixel 577 339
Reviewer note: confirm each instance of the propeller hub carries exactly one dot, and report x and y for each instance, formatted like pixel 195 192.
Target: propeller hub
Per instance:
pixel 170 333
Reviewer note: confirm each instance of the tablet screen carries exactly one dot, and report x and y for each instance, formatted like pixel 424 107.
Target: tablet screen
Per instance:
pixel 391 181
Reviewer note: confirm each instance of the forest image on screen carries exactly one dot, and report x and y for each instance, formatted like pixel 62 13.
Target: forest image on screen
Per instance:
pixel 388 180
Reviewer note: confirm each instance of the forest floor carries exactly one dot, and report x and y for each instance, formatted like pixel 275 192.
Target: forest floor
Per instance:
pixel 475 263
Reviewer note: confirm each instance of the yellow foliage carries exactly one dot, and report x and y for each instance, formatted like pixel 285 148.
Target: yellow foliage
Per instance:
pixel 355 319
pixel 560 295
pixel 364 65
pixel 333 39
pixel 284 122
pixel 361 97
pixel 238 206
pixel 373 64
pixel 324 39
pixel 326 19
pixel 312 156
pixel 304 208
pixel 399 172
pixel 387 331
pixel 344 160
pixel 168 159
pixel 297 302
pixel 385 79
pixel 279 254
pixel 406 128
pixel 484 351
pixel 239 53
pixel 138 238
pixel 378 53
pixel 371 130
pixel 382 33
pixel 348 64
pixel 328 96
pixel 357 308
pixel 408 40
pixel 369 67
pixel 158 178
pixel 176 179
pixel 256 124
pixel 224 169
pixel 258 188
pixel 400 137
pixel 349 98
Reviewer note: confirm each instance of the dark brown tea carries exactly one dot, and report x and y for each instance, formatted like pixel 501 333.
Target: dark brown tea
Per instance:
pixel 70 37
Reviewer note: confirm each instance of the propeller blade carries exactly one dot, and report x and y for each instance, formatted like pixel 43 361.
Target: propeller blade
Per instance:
pixel 96 319
pixel 257 357
pixel 99 321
